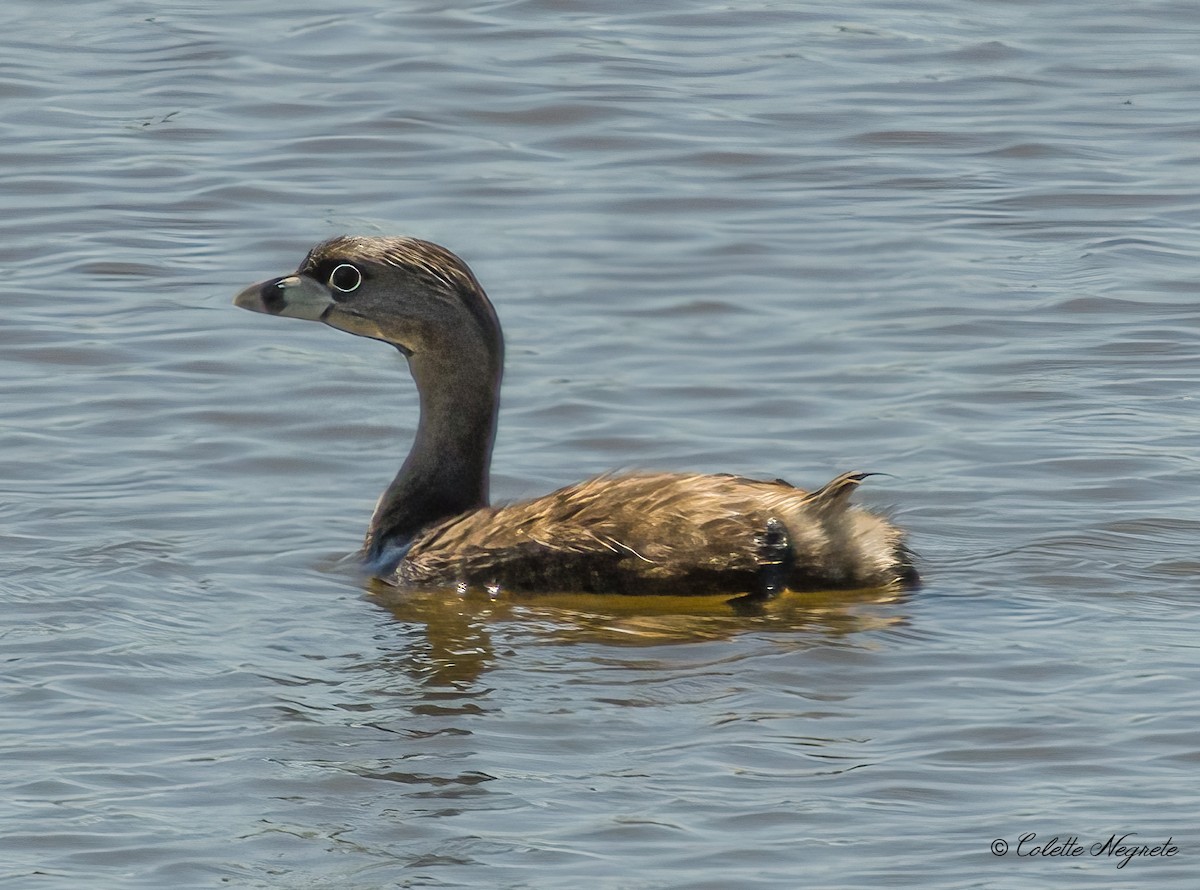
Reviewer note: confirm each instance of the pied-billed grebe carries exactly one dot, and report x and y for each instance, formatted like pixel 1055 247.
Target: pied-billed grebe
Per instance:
pixel 630 533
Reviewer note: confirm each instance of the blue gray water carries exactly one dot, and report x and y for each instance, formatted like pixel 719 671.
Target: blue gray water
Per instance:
pixel 955 243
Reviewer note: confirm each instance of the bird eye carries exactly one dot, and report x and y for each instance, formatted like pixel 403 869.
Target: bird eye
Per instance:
pixel 345 278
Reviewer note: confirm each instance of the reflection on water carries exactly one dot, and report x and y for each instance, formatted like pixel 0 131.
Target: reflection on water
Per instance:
pixel 458 644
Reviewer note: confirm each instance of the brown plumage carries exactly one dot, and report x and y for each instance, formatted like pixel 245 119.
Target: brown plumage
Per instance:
pixel 660 533
pixel 630 534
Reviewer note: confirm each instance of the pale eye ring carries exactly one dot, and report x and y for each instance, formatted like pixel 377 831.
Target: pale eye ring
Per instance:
pixel 345 278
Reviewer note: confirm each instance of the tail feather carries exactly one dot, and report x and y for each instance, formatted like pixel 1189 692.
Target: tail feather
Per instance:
pixel 836 491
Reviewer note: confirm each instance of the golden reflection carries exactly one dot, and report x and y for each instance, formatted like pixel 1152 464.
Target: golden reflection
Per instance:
pixel 459 627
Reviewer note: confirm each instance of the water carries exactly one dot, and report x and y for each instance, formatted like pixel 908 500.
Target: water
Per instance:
pixel 954 243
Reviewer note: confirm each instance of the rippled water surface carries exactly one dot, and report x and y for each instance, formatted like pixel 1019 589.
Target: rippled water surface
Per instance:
pixel 955 243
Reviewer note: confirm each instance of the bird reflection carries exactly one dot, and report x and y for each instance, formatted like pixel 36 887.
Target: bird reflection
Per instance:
pixel 459 629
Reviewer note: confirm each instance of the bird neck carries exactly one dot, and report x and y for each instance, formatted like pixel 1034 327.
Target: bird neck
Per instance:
pixel 446 472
